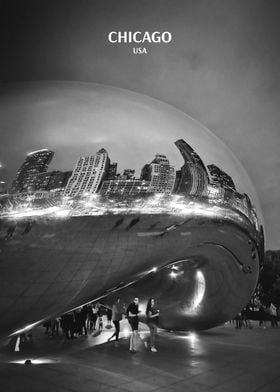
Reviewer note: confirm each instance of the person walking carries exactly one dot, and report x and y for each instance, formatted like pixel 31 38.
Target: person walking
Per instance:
pixel 133 319
pixel 117 311
pixel 152 321
pixel 10 232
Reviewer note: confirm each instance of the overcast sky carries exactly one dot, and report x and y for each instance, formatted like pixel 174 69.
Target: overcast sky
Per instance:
pixel 222 67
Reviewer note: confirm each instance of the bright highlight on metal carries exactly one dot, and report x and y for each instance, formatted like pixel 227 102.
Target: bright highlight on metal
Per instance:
pixel 199 292
pixel 37 361
pixel 181 206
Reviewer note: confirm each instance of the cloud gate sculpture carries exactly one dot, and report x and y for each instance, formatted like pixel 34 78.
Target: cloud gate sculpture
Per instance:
pixel 160 208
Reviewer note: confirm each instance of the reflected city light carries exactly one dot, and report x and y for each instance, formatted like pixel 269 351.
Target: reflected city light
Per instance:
pixel 95 205
pixel 29 212
pixel 192 336
pixel 126 332
pixel 198 296
pixel 62 213
pixel 175 267
pixel 38 151
pixel 16 349
pixel 200 290
pixel 25 329
pixel 157 204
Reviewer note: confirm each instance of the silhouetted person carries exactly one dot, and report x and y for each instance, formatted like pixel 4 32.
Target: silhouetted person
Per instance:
pixel 272 311
pixel 238 320
pixel 117 311
pixel 133 223
pixel 89 321
pixel 118 223
pixel 27 228
pixel 84 313
pixel 100 318
pixel 10 232
pixel 109 317
pixel 78 329
pixel 94 315
pixel 248 316
pixel 245 317
pixel 67 325
pixel 47 325
pixel 262 316
pixel 54 327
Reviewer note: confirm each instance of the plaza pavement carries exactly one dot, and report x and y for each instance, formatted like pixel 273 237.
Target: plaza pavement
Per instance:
pixel 222 359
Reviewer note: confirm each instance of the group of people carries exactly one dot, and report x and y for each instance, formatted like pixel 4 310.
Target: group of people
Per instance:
pixel 268 313
pixel 89 318
pixel 242 319
pixel 265 313
pixel 79 322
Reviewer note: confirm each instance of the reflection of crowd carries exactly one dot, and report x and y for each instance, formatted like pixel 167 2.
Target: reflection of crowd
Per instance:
pixel 89 319
pixel 78 322
pixel 24 229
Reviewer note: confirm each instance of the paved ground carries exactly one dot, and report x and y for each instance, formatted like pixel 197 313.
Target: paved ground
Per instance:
pixel 222 359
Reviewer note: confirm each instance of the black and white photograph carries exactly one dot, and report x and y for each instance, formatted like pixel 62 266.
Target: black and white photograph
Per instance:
pixel 139 195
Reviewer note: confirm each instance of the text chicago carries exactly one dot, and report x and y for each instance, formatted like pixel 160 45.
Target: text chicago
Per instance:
pixel 139 37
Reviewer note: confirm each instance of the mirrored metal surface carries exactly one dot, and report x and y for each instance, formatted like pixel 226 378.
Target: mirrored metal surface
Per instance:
pixel 168 213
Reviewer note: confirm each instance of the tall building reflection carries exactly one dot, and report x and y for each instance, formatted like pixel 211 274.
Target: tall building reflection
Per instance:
pixel 52 180
pixel 193 178
pixel 35 163
pixel 221 178
pixel 96 174
pixel 124 188
pixel 129 174
pixel 160 174
pixel 88 174
pixel 112 171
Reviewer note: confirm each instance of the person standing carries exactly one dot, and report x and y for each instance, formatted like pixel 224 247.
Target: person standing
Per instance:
pixel 54 326
pixel 238 320
pixel 262 316
pixel 100 318
pixel 109 317
pixel 95 310
pixel 152 321
pixel 132 315
pixel 89 321
pixel 84 314
pixel 272 311
pixel 116 317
